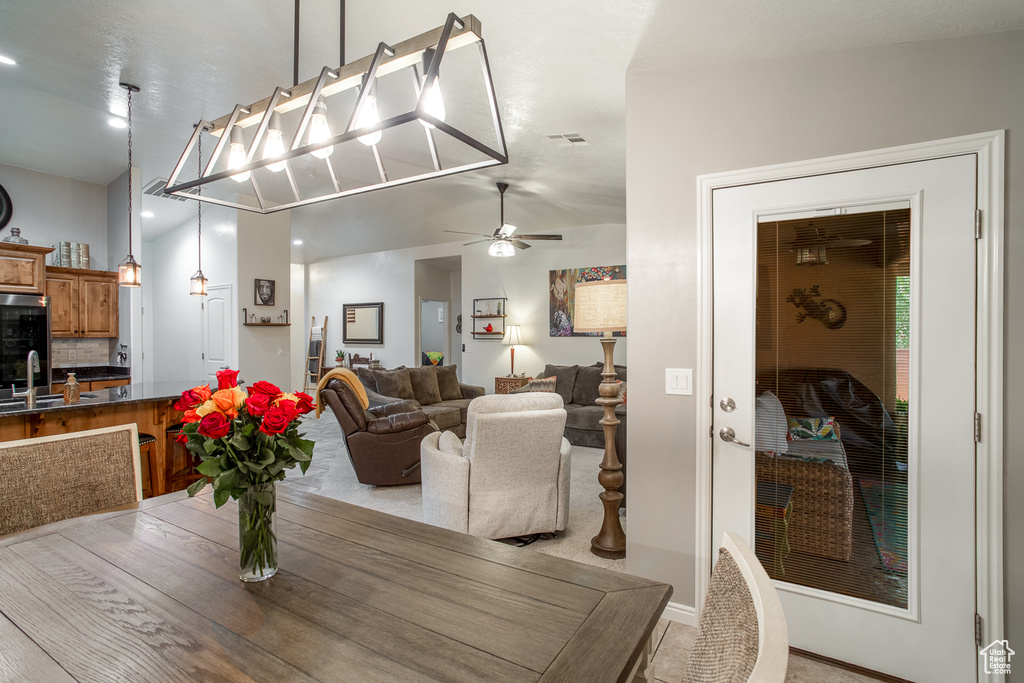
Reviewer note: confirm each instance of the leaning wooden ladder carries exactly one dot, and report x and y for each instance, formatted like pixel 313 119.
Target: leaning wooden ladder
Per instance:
pixel 315 355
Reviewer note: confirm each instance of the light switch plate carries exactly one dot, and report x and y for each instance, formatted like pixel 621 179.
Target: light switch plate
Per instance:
pixel 679 381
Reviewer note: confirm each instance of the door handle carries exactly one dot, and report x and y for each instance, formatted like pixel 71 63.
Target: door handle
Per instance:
pixel 727 434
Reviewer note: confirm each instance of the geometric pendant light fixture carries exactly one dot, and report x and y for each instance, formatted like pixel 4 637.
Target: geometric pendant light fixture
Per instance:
pixel 420 109
pixel 197 284
pixel 129 272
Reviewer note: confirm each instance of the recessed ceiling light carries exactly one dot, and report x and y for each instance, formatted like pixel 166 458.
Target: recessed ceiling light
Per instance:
pixel 117 122
pixel 147 214
pixel 296 242
pixel 4 59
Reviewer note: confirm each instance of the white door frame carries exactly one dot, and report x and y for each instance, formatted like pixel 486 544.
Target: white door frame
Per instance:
pixel 989 463
pixel 232 345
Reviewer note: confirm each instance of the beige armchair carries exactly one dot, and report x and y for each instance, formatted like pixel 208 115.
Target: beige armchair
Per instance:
pixel 511 475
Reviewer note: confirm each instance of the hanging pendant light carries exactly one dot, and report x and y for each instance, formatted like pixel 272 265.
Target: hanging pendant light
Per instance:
pixel 129 272
pixel 293 124
pixel 197 285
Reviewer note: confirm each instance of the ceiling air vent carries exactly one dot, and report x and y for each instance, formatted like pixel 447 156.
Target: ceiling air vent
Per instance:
pixel 155 188
pixel 568 140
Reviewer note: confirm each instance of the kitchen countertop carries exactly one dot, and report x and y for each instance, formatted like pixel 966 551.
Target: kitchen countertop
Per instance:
pixel 131 393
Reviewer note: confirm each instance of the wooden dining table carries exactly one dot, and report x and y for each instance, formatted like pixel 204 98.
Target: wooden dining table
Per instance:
pixel 151 593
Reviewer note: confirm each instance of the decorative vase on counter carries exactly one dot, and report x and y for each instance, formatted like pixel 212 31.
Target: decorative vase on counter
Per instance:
pixel 71 389
pixel 257 533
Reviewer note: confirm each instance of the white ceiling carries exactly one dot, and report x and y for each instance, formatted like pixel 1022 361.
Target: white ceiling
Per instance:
pixel 558 67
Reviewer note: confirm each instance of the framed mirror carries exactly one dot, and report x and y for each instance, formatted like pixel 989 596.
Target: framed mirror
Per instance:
pixel 363 323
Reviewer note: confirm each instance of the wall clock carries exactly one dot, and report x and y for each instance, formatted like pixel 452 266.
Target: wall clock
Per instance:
pixel 6 208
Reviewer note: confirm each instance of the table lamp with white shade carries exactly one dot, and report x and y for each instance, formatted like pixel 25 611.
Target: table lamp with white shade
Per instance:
pixel 513 336
pixel 600 306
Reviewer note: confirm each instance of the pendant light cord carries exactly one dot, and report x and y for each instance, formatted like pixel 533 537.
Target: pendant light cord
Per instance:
pixel 200 201
pixel 129 171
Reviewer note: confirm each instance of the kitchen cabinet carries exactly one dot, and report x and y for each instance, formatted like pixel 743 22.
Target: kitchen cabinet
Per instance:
pixel 94 385
pixel 22 268
pixel 83 303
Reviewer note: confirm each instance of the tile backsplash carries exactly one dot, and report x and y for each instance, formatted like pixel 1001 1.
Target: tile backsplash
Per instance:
pixel 70 353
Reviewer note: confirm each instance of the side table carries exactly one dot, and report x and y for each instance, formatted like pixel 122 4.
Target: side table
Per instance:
pixel 503 385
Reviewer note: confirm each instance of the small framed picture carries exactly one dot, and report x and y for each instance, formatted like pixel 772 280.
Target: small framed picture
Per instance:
pixel 265 292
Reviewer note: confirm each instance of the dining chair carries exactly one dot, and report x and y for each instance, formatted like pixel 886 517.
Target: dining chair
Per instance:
pixel 741 635
pixel 50 478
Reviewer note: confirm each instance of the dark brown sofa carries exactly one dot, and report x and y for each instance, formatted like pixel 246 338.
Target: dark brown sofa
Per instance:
pixel 383 442
pixel 578 387
pixel 435 390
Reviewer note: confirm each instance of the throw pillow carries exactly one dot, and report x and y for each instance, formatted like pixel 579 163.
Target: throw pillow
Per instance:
pixel 586 392
pixel 448 382
pixel 817 428
pixel 565 379
pixel 770 426
pixel 622 390
pixel 449 443
pixel 395 383
pixel 365 376
pixel 424 385
pixel 545 384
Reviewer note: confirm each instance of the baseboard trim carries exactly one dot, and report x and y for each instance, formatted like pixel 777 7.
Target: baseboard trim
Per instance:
pixel 683 614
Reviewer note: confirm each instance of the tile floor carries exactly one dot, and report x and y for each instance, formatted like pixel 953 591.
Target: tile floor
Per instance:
pixel 676 640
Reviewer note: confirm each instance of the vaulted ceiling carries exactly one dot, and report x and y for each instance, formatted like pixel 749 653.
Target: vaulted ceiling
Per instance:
pixel 558 67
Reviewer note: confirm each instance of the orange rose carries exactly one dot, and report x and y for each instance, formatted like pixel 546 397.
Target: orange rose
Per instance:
pixel 203 393
pixel 206 409
pixel 225 400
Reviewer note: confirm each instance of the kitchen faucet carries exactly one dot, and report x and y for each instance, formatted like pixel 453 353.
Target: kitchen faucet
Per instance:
pixel 32 367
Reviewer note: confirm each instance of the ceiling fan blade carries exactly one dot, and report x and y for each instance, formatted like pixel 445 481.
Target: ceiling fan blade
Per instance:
pixel 506 230
pixel 459 232
pixel 539 237
pixel 477 242
pixel 519 244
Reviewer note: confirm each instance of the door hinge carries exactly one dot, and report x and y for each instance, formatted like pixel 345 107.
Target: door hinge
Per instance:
pixel 977 427
pixel 977 224
pixel 979 630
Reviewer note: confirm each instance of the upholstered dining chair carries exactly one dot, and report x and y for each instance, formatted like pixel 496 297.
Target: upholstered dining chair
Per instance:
pixel 742 632
pixel 511 476
pixel 51 478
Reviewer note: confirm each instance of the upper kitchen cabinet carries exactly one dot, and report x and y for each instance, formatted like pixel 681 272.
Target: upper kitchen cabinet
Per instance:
pixel 22 268
pixel 83 303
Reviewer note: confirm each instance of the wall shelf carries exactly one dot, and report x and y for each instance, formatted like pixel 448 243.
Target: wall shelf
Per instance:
pixel 490 308
pixel 267 324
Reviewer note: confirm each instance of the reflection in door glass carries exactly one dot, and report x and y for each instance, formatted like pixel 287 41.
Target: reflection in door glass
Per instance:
pixel 833 366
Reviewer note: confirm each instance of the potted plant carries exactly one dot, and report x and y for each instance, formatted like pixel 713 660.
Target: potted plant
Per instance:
pixel 340 358
pixel 246 442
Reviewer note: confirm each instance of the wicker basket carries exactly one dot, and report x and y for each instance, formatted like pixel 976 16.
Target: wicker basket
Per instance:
pixel 822 519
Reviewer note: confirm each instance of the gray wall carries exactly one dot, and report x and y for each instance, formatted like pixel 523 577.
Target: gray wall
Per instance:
pixel 712 118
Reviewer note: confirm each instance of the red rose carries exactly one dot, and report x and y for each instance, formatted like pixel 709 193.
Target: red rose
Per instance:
pixel 189 399
pixel 267 388
pixel 216 425
pixel 227 379
pixel 276 420
pixel 257 404
pixel 305 403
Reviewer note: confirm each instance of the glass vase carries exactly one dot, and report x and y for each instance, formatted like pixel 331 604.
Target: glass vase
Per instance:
pixel 257 533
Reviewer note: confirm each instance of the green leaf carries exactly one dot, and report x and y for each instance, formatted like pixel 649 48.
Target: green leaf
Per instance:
pixel 220 496
pixel 196 486
pixel 304 465
pixel 228 479
pixel 240 442
pixel 274 468
pixel 267 456
pixel 211 445
pixel 195 447
pixel 210 468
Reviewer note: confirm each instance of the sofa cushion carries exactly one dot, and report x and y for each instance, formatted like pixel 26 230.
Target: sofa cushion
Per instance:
pixel 565 379
pixel 620 370
pixel 365 376
pixel 588 379
pixel 448 382
pixel 444 415
pixel 396 383
pixel 424 385
pixel 589 417
pixel 546 384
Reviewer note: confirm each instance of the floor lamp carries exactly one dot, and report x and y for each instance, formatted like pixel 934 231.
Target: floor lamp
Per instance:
pixel 600 306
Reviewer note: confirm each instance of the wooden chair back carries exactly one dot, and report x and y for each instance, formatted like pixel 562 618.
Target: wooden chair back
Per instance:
pixel 51 478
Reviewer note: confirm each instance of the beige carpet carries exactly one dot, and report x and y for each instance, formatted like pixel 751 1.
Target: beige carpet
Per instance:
pixel 331 475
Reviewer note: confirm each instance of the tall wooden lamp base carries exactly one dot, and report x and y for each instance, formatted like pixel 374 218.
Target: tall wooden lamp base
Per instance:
pixel 610 542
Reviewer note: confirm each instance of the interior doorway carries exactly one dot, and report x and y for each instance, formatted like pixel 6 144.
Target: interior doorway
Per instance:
pixel 218 332
pixel 434 341
pixel 842 320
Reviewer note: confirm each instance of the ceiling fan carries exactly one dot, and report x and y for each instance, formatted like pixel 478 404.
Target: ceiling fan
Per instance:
pixel 811 243
pixel 504 242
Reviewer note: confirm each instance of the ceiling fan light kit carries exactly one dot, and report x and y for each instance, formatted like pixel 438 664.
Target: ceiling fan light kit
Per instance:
pixel 504 242
pixel 298 146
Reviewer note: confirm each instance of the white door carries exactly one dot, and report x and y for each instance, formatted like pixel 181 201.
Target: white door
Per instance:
pixel 217 337
pixel 904 511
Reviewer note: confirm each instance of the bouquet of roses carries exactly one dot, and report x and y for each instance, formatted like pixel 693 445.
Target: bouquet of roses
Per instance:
pixel 243 440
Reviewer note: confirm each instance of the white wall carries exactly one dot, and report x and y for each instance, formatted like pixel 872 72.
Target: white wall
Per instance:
pixel 299 331
pixel 176 343
pixel 130 298
pixel 50 208
pixel 523 279
pixel 264 248
pixel 454 310
pixel 719 117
